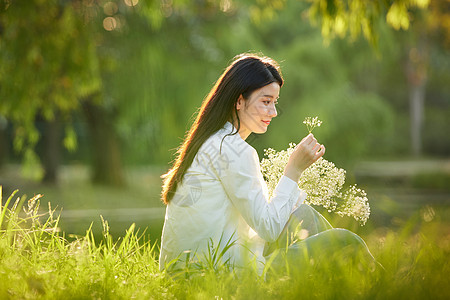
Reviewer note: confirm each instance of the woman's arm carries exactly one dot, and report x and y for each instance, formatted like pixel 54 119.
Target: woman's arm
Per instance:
pixel 244 184
pixel 237 167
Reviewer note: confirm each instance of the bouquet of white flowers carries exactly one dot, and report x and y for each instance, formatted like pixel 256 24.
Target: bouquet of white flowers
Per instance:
pixel 323 182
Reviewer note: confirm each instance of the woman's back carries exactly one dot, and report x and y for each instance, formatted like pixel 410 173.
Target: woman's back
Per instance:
pixel 200 213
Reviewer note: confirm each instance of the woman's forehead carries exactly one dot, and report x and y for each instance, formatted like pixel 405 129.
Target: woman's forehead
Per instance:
pixel 271 90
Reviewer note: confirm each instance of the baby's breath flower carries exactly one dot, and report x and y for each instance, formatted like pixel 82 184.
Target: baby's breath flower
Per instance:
pixel 323 183
pixel 355 204
pixel 312 123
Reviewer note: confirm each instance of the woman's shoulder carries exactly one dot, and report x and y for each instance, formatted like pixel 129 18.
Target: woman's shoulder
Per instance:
pixel 226 141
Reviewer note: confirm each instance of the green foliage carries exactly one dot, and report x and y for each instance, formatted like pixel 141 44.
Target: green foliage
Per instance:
pixel 37 261
pixel 48 63
pixel 159 61
pixel 216 260
pixel 339 18
pixel 319 82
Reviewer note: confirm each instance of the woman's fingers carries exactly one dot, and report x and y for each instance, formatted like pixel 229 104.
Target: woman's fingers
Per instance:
pixel 305 153
pixel 308 139
pixel 311 140
pixel 320 152
pixel 316 147
pixel 317 151
pixel 309 147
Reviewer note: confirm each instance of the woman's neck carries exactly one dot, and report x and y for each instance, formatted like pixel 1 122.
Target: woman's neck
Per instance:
pixel 243 132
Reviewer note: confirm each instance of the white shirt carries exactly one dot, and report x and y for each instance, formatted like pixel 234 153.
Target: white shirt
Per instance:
pixel 223 197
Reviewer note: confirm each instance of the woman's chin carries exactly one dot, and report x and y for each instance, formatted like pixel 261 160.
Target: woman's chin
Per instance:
pixel 261 130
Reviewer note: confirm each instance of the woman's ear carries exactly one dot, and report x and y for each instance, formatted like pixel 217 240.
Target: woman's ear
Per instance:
pixel 239 102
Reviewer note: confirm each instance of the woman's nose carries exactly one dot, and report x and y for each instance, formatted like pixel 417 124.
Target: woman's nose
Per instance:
pixel 272 111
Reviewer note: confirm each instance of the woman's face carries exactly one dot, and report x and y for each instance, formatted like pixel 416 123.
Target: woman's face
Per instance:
pixel 256 112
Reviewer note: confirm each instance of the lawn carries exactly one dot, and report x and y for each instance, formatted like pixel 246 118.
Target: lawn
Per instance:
pixel 43 256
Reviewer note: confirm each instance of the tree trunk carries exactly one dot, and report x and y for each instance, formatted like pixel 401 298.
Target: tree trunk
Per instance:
pixel 52 150
pixel 417 78
pixel 416 111
pixel 105 146
pixel 3 140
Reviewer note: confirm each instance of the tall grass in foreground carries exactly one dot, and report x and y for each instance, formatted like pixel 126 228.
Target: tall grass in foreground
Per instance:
pixel 37 261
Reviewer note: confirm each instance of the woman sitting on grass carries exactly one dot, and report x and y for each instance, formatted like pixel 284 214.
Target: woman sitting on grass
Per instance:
pixel 215 193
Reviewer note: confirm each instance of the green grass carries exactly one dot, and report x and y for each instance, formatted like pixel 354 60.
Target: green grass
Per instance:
pixel 38 261
pixel 74 192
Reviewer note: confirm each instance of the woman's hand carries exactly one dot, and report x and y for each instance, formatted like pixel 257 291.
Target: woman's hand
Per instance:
pixel 304 155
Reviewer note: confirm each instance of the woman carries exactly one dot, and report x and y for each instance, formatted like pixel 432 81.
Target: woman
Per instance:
pixel 215 193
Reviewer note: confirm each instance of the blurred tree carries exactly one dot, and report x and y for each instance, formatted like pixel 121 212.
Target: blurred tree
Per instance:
pixel 69 55
pixel 427 25
pixel 3 140
pixel 417 55
pixel 342 18
pixel 431 29
pixel 119 62
pixel 353 17
pixel 167 74
pixel 47 64
pixel 51 155
pixel 106 160
pixel 319 83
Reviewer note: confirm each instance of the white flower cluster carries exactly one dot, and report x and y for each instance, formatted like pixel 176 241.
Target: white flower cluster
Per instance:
pixel 322 181
pixel 312 123
pixel 272 167
pixel 355 204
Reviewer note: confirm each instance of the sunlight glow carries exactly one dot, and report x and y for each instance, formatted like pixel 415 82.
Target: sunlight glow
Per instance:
pixel 225 5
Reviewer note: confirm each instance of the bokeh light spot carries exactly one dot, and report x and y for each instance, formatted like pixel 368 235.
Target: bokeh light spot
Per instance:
pixel 166 8
pixel 109 23
pixel 131 2
pixel 428 213
pixel 110 8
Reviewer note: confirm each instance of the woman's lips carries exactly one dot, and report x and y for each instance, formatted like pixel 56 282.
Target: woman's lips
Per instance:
pixel 266 122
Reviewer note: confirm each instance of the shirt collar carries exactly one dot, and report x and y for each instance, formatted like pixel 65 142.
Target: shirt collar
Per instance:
pixel 229 127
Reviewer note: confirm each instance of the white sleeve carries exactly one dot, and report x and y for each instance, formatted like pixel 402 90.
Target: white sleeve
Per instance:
pixel 245 186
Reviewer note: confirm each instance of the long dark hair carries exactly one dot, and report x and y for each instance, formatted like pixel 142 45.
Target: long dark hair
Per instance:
pixel 247 73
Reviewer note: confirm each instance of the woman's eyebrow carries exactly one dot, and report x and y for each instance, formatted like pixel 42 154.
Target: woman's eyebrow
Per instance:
pixel 269 96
